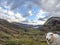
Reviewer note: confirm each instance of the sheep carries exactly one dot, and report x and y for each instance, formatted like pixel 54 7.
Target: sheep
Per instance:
pixel 53 39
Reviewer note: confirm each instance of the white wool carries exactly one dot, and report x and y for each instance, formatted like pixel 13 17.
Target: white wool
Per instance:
pixel 48 35
pixel 55 38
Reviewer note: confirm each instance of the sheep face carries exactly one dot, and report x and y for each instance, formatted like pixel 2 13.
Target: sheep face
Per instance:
pixel 49 37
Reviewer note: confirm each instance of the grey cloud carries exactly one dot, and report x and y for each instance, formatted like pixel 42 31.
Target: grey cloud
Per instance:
pixel 47 5
pixel 50 5
pixel 18 3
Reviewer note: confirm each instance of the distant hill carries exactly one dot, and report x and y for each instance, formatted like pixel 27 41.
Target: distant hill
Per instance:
pixel 26 25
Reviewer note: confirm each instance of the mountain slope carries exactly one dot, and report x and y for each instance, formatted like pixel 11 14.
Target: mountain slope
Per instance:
pixel 52 24
pixel 8 30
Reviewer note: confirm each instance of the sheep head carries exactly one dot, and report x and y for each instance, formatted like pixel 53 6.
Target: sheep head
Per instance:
pixel 49 37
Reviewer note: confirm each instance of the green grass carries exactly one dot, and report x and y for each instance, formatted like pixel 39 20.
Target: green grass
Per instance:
pixel 31 37
pixel 24 42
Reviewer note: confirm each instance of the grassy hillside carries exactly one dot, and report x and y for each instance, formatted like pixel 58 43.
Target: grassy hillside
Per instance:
pixel 10 34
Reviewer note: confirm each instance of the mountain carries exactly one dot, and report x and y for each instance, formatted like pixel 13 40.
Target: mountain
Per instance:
pixel 52 24
pixel 12 34
pixel 26 25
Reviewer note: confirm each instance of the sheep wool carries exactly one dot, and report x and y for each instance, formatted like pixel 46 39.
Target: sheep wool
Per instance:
pixel 54 39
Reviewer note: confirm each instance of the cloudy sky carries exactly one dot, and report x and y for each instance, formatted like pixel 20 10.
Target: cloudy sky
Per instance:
pixel 34 12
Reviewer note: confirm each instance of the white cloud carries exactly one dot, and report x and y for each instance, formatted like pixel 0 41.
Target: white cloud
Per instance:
pixel 30 13
pixel 35 22
pixel 5 4
pixel 9 12
pixel 17 17
pixel 40 14
pixel 1 10
pixel 11 16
